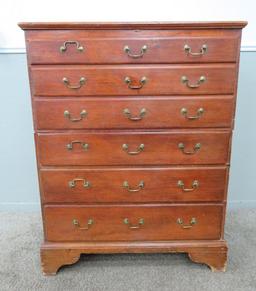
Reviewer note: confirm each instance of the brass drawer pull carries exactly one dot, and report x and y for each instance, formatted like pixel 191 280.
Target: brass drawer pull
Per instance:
pixel 139 150
pixel 185 80
pixel 140 223
pixel 128 81
pixel 63 48
pixel 202 51
pixel 76 223
pixel 72 183
pixel 128 188
pixel 181 185
pixel 195 149
pixel 67 114
pixel 127 50
pixel 186 226
pixel 199 113
pixel 67 83
pixel 84 145
pixel 128 114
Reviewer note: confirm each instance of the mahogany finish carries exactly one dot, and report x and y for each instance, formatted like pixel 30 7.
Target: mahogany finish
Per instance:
pixel 160 148
pixel 160 222
pixel 109 80
pixel 160 112
pixel 136 164
pixel 160 184
pixel 213 253
pixel 30 26
pixel 103 48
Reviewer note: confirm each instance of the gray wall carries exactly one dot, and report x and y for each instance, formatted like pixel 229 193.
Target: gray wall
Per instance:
pixel 18 177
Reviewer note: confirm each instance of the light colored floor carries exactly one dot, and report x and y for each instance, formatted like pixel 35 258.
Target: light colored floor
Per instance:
pixel 20 236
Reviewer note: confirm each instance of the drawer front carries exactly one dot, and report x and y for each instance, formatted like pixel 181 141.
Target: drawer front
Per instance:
pixel 133 80
pixel 134 148
pixel 132 222
pixel 79 47
pixel 143 112
pixel 133 184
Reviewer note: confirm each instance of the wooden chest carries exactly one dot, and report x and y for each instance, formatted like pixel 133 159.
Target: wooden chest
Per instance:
pixel 133 125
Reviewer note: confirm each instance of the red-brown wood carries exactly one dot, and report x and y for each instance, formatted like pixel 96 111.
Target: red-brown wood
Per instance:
pixel 43 35
pixel 212 253
pixel 108 47
pixel 160 222
pixel 134 25
pixel 160 148
pixel 160 184
pixel 110 80
pixel 161 112
pixel 105 94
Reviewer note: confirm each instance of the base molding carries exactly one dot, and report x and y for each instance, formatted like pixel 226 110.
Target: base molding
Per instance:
pixel 56 255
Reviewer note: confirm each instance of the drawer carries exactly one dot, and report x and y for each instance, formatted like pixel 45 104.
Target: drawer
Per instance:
pixel 145 184
pixel 90 47
pixel 132 222
pixel 143 112
pixel 133 80
pixel 134 148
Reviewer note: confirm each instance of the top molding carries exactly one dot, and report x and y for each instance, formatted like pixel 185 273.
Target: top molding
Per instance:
pixel 131 25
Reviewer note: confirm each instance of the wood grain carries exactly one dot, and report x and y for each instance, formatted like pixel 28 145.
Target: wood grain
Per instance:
pixel 108 48
pixel 160 222
pixel 160 148
pixel 108 113
pixel 105 128
pixel 134 25
pixel 109 80
pixel 211 253
pixel 160 184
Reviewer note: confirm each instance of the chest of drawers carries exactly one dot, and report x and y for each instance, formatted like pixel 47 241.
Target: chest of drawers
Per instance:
pixel 133 126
